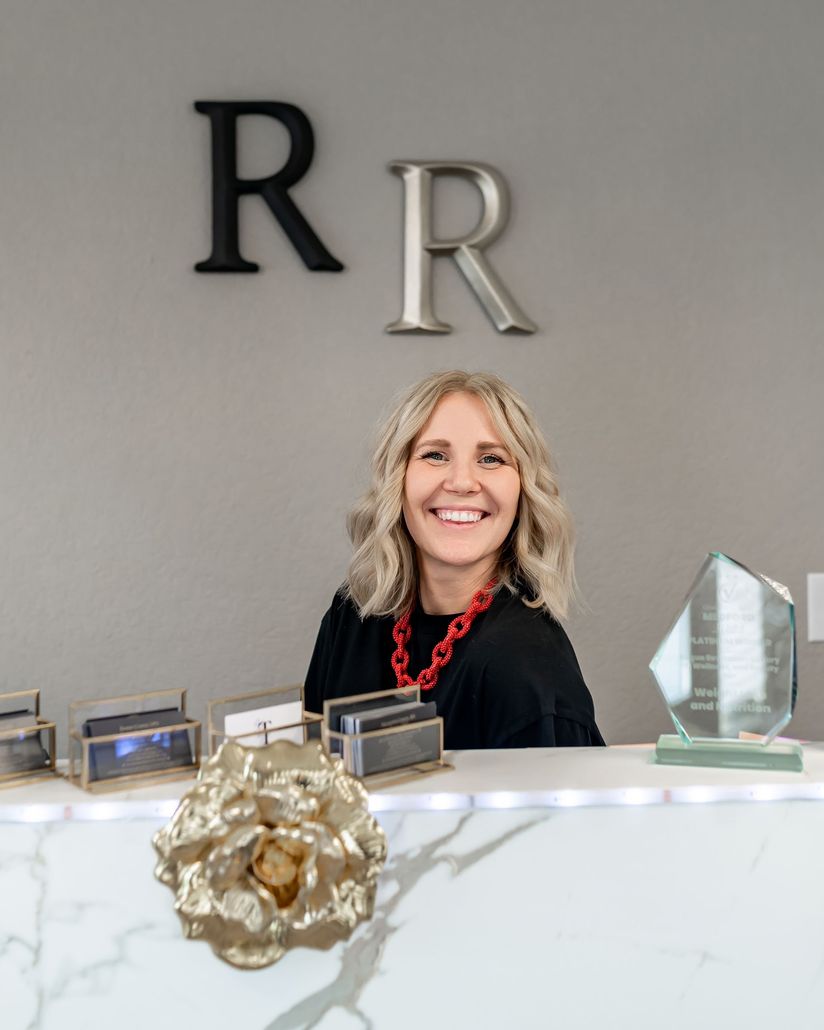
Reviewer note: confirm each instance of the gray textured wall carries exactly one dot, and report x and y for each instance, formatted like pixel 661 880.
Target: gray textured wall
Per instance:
pixel 178 450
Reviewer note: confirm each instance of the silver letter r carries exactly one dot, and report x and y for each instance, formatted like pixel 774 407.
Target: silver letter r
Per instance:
pixel 420 247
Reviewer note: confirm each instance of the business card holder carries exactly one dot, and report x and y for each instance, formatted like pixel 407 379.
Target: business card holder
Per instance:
pixel 259 717
pixel 135 757
pixel 23 756
pixel 390 756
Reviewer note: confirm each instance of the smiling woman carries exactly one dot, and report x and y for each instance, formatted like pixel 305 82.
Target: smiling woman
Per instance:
pixel 462 546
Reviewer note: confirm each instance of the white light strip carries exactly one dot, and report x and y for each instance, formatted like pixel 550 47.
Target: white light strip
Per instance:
pixel 496 800
pixel 613 798
pixel 87 811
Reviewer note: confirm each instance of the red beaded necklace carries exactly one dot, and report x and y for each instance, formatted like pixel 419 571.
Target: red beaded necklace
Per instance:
pixel 442 652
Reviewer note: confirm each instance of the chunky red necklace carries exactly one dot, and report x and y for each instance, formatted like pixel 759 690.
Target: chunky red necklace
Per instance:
pixel 442 652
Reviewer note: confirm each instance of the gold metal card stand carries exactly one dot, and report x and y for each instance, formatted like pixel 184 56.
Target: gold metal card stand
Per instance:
pixel 23 758
pixel 134 757
pixel 256 719
pixel 398 743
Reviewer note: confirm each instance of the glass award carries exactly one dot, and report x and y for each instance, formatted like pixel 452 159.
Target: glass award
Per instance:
pixel 727 672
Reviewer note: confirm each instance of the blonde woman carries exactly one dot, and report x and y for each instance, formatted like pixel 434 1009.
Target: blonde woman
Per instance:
pixel 462 567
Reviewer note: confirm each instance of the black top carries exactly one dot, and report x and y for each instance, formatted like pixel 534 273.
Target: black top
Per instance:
pixel 513 680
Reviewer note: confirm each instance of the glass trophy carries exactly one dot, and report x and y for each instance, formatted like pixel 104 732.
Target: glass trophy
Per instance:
pixel 727 672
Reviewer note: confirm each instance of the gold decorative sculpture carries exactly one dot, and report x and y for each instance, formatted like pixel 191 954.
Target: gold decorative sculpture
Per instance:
pixel 273 847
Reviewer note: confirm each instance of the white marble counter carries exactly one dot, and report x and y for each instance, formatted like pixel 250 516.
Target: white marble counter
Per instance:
pixel 583 905
pixel 529 778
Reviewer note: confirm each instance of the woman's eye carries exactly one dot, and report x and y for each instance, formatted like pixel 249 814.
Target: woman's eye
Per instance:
pixel 492 459
pixel 433 456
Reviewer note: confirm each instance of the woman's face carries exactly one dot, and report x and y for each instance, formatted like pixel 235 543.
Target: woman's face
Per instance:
pixel 461 488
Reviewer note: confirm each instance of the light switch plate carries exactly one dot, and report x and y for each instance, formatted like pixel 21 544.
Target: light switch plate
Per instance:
pixel 815 606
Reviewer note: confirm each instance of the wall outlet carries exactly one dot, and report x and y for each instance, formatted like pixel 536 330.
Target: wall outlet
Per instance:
pixel 815 606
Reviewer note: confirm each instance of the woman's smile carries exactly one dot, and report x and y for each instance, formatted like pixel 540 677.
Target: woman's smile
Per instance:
pixel 459 516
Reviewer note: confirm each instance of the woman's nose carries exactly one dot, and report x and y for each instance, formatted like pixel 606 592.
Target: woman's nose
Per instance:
pixel 462 477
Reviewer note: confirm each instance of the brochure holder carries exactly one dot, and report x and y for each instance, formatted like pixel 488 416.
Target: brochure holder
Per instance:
pixel 23 756
pixel 260 717
pixel 399 754
pixel 133 757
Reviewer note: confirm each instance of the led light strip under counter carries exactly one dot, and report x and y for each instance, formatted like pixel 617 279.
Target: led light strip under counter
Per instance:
pixel 481 780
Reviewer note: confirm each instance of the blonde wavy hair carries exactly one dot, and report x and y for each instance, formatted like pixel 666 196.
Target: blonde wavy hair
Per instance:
pixel 536 558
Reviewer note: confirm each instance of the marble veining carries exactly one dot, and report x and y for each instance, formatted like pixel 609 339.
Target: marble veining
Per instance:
pixel 79 955
pixel 360 957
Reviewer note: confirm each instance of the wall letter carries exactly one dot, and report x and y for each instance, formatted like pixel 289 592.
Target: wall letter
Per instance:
pixel 419 248
pixel 227 188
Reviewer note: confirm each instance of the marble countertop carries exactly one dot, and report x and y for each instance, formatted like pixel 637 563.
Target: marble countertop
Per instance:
pixel 596 900
pixel 507 779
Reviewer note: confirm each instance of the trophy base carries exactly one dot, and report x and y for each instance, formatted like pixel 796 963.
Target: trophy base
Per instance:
pixel 728 754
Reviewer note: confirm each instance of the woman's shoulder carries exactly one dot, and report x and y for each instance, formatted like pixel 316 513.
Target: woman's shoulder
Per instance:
pixel 525 650
pixel 342 605
pixel 342 615
pixel 345 654
pixel 515 623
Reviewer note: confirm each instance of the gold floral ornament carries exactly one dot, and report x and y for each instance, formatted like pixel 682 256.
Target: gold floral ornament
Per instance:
pixel 274 847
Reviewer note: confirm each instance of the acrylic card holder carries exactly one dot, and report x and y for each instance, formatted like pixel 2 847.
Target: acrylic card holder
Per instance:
pixel 23 755
pixel 132 741
pixel 258 718
pixel 393 753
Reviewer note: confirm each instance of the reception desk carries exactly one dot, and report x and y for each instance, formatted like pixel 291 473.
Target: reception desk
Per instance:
pixel 541 888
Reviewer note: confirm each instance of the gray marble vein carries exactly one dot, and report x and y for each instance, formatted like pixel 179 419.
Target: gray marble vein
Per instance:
pixel 11 942
pixel 758 855
pixel 361 956
pixel 704 958
pixel 10 860
pixel 92 976
pixel 40 875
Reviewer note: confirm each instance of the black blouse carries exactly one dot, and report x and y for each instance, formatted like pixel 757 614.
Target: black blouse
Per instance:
pixel 513 680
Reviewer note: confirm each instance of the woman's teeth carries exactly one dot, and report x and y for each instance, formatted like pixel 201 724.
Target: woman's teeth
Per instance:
pixel 445 515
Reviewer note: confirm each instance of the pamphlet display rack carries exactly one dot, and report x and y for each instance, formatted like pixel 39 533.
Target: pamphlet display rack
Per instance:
pixel 156 742
pixel 23 757
pixel 392 749
pixel 258 718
